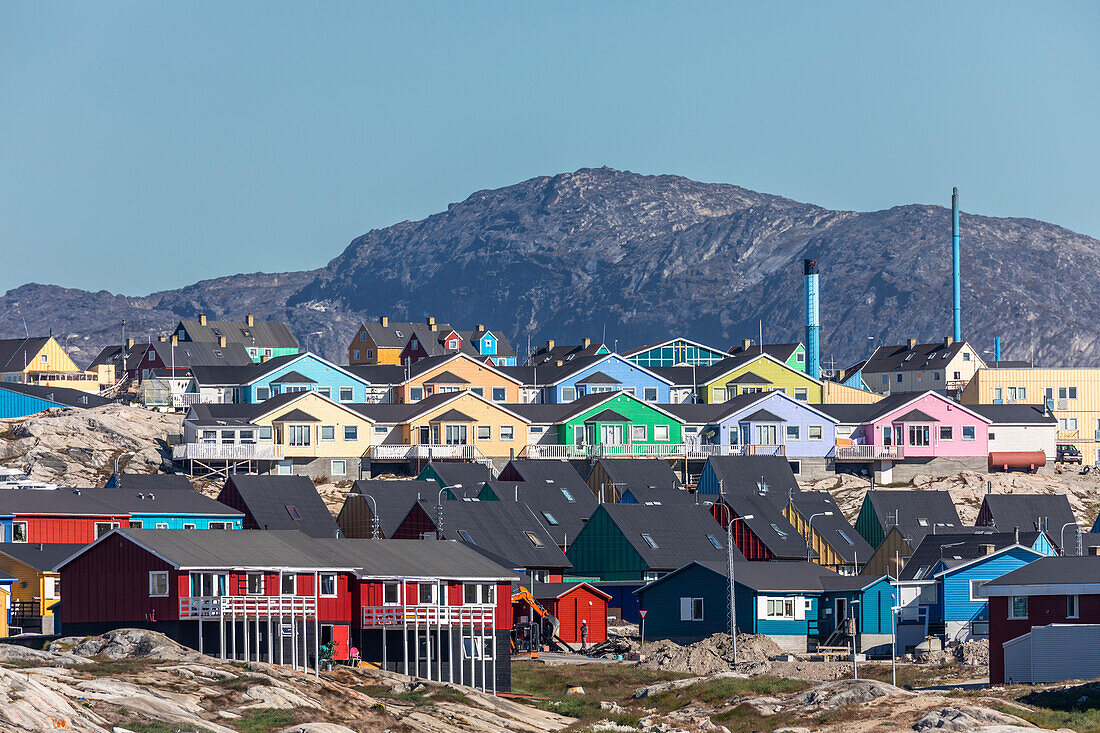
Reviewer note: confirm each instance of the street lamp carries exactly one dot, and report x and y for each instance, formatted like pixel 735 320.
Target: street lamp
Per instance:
pixel 810 531
pixel 1062 535
pixel 118 477
pixel 375 522
pixel 439 510
pixel 732 598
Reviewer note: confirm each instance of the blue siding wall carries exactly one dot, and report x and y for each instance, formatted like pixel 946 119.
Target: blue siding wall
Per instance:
pixel 662 602
pixel 956 585
pixel 623 598
pixel 317 370
pixel 5 528
pixel 17 404
pixel 176 521
pixel 793 413
pixel 614 366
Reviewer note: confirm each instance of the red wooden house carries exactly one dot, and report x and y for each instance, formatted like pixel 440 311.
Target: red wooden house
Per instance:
pixel 760 530
pixel 62 515
pixel 574 604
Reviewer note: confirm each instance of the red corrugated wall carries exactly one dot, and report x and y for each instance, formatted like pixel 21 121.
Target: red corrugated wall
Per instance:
pixel 110 583
pixel 62 528
pixel 747 542
pixel 577 605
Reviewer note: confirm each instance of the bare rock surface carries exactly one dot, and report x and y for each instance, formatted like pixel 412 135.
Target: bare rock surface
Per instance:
pixel 847 692
pixel 135 644
pixel 970 718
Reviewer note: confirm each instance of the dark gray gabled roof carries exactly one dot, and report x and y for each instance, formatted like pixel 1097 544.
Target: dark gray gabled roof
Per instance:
pixel 499 530
pixel 1029 512
pixel 782 352
pixel 916 416
pixel 394 500
pixel 387 374
pixel 749 378
pixel 564 352
pixel 263 334
pixel 1051 571
pixel 744 474
pixel 957 547
pixel 639 473
pixel 598 377
pixel 458 472
pixel 453 415
pixel 416 559
pixel 1015 414
pixel 293 377
pixel 680 532
pixel 778 577
pixel 901 358
pixel 391 336
pixel 149 482
pixel 555 473
pixel 654 495
pixel 62 396
pixel 17 354
pixel 178 502
pixel 769 525
pixel 762 415
pixel 296 415
pixel 235 548
pixel 56 501
pixel 917 512
pixel 273 502
pixel 446 377
pixel 38 555
pixel 678 376
pixel 608 415
pixel 835 529
pixel 562 516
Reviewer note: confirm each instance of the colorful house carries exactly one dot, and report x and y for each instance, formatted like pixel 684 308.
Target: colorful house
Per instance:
pixel 675 352
pixel 36 590
pixel 391 499
pixel 60 515
pixel 913 514
pixel 1049 513
pixel 769 476
pixel 379 342
pixel 760 530
pixel 575 606
pixel 553 353
pixel 21 400
pixel 279 503
pixel 562 382
pixel 751 373
pixel 171 509
pixel 166 356
pixel 438 339
pixel 610 478
pixel 564 510
pixel 284 374
pixel 260 339
pixel 793 355
pixel 41 361
pixel 912 367
pixel 836 544
pixel 457 372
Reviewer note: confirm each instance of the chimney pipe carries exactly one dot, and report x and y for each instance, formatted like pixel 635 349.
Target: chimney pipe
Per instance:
pixel 585 343
pixel 162 339
pixel 947 341
pixel 813 327
pixel 384 320
pixel 221 341
pixel 745 344
pixel 129 343
pixel 175 340
pixel 549 344
pixel 202 319
pixel 912 344
pixel 250 320
pixel 956 275
pixel 985 549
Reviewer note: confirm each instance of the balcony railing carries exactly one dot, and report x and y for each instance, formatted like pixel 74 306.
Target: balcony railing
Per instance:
pixel 651 450
pixel 263 606
pixel 410 452
pixel 186 399
pixel 227 452
pixel 869 453
pixel 472 615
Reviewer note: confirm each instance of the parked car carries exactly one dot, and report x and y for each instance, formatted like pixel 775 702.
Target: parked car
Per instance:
pixel 1068 454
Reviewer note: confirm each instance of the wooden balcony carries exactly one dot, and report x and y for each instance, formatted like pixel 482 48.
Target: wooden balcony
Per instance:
pixel 650 450
pixel 482 615
pixel 195 607
pixel 227 452
pixel 869 453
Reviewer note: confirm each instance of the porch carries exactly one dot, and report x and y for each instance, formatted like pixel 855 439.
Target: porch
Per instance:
pixel 700 451
pixel 275 629
pixel 870 453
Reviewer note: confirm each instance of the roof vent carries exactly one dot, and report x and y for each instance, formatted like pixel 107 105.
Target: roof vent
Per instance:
pixel 985 549
pixel 221 341
pixel 384 321
pixel 745 344
pixel 549 344
pixel 947 341
pixel 250 320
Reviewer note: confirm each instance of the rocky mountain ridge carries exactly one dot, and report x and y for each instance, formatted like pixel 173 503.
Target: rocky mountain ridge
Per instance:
pixel 633 259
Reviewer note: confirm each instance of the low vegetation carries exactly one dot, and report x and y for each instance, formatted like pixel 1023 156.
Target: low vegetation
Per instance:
pixel 1077 708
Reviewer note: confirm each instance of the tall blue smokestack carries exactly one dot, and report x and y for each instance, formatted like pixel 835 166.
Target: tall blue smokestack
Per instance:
pixel 813 344
pixel 956 276
pixel 996 348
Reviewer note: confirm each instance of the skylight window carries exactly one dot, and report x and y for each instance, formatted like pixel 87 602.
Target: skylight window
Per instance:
pixel 567 495
pixel 534 539
pixel 778 531
pixel 399 334
pixel 550 518
pixel 293 512
pixel 922 521
pixel 845 537
pixel 922 572
pixel 649 541
pixel 714 541
pixel 465 536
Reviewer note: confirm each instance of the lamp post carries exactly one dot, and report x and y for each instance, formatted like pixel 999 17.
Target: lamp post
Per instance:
pixel 1062 536
pixel 810 532
pixel 118 477
pixel 439 510
pixel 375 522
pixel 732 598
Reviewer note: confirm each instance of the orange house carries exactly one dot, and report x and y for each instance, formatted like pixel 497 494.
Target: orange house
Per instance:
pixel 457 373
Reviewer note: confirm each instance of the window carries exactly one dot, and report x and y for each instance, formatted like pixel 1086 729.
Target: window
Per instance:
pixel 844 536
pixel 19 532
pixel 351 432
pixel 46 358
pixel 1067 423
pixel 947 432
pixel 885 379
pixel 918 435
pixel 969 432
pixel 189 525
pixel 650 576
pixel 1061 393
pixel 660 432
pixel 246 437
pixel 976 590
pixel 470 593
pixel 714 541
pixel 325 391
pixel 328 432
pixel 534 539
pixel 355 354
pixel 229 437
pixel 568 394
pixel 452 344
pixel 209 525
pixel 255 584
pixel 161 525
pixel 479 391
pixel 265 432
pixel 507 432
pixel 1071 606
pixel 328 584
pixel 362 335
pixel 339 467
pixel 416 394
pixel 53 588
pixel 425 593
pixel 499 394
pixel 637 433
pixel 550 519
pixel 1017 607
pixel 484 432
pixel 801 394
pixel 1073 393
pixel 391 594
pixel 899 377
pixel 262 393
pixel 649 394
pixel 158 584
pixel 794 432
pixel 779 608
pixel 568 496
pixel 800 357
pixel 299 435
pixel 292 510
pixel 966 356
pixel 719 394
pixel 649 541
pixel 347 394
pixel 102 528
pixel 935 376
pixel 691 609
pixel 796 467
pixel 465 536
pixel 288 584
pixel 135 524
pixel 814 432
pixel 778 531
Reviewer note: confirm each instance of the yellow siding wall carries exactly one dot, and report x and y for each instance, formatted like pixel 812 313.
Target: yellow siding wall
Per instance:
pixel 841 394
pixel 477 374
pixel 484 413
pixel 328 414
pixel 1085 408
pixel 34 581
pixel 380 356
pixel 826 555
pixel 885 559
pixel 780 375
pixel 5 604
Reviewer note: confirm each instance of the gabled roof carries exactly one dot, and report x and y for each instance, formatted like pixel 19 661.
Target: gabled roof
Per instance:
pixel 416 559
pixel 783 352
pixel 387 374
pixel 1049 576
pixel 61 396
pixel 635 473
pixel 955 548
pixel 453 415
pixel 666 342
pixel 432 362
pixel 457 472
pixel 785 577
pixel 743 474
pixel 716 371
pixel 394 500
pixel 43 557
pixel 954 566
pixel 549 472
pixel 17 354
pixel 835 529
pixel 769 525
pixel 1016 414
pixel 293 377
pixel 762 415
pixel 1030 512
pixel 554 591
pixel 680 532
pixel 391 336
pixel 564 352
pixel 446 377
pixel 264 334
pixel 283 502
pixel 861 414
pixel 173 501
pixel 296 415
pixel 917 512
pixel 77 502
pixel 655 495
pixel 916 416
pixel 901 358
pixel 552 374
pixel 149 482
pixel 598 377
pixel 749 378
pixel 608 415
pixel 563 514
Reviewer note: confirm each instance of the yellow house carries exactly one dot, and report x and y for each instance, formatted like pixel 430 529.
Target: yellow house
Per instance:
pixel 466 418
pixel 457 373
pixel 890 557
pixel 911 367
pixel 833 393
pixel 42 361
pixel 1072 394
pixel 5 604
pixel 819 520
pixel 755 373
pixel 379 342
pixel 36 592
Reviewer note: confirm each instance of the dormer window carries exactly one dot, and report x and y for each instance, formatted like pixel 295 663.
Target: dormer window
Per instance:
pixel 452 344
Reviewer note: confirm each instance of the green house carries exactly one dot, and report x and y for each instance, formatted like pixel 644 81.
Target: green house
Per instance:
pixel 618 419
pixel 793 355
pixel 675 352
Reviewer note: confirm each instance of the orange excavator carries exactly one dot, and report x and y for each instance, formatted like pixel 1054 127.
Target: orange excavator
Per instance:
pixel 534 623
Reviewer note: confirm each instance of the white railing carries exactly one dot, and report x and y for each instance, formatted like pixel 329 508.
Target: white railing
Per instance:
pixel 472 615
pixel 227 451
pixel 186 399
pixel 869 452
pixel 651 450
pixel 216 606
pixel 408 452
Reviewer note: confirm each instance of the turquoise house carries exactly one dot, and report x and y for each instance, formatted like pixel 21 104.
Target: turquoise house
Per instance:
pixel 170 509
pixel 301 373
pixel 798 605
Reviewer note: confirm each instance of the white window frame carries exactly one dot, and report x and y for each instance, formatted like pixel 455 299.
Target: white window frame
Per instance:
pixel 692 608
pixel 354 432
pixel 52 588
pixel 795 435
pixel 99 532
pixel 973 432
pixel 484 432
pixel 568 394
pixel 347 394
pixel 15 526
pixel 1076 602
pixel 638 433
pixel 976 584
pixel 507 432
pixel 343 467
pixel 248 584
pixel 777 602
pixel 331 429
pixel 396 584
pixel 159 574
pixel 657 429
pixel 1012 608
pixel 500 394
pixel 321 584
pixel 416 394
pixel 802 394
pixel 293 584
pixel 810 432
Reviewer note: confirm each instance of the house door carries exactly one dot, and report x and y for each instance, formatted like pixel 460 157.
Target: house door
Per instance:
pixel 611 434
pixel 841 606
pixel 425 435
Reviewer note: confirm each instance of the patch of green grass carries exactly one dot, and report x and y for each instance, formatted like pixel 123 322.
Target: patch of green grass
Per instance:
pixel 744 718
pixel 718 691
pixel 610 681
pixel 243 682
pixel 911 676
pixel 262 720
pixel 1075 707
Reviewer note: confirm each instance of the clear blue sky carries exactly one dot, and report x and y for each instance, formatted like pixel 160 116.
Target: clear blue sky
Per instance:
pixel 144 146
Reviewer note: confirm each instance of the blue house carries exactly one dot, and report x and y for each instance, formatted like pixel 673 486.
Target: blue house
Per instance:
pixel 292 373
pixel 170 509
pixel 6 522
pixel 799 605
pixel 595 374
pixel 20 400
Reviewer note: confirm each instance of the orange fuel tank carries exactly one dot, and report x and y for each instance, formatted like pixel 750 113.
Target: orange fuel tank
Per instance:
pixel 1021 460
